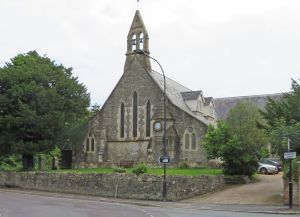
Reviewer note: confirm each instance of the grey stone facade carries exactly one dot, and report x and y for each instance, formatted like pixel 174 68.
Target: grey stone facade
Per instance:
pixel 110 134
pixel 136 104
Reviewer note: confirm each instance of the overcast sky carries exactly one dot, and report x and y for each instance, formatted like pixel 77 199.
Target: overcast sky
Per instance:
pixel 224 48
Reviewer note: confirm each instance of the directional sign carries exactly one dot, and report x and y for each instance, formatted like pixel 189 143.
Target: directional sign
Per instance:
pixel 165 159
pixel 289 155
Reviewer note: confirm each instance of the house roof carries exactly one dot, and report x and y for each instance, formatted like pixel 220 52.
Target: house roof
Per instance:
pixel 207 100
pixel 191 95
pixel 174 93
pixel 223 105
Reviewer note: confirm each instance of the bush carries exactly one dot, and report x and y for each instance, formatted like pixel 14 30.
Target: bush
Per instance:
pixel 295 173
pixel 183 165
pixel 10 163
pixel 140 169
pixel 119 170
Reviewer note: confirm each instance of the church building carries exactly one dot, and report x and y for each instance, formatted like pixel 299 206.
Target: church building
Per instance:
pixel 129 125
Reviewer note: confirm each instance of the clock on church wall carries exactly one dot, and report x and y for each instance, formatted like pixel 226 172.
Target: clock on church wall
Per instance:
pixel 157 125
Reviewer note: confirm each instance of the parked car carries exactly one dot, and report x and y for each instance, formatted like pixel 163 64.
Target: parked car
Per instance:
pixel 272 162
pixel 267 169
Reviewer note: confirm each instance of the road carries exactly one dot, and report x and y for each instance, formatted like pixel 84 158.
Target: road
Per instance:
pixel 14 204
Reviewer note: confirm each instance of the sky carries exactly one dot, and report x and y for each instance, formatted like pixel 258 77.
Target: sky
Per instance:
pixel 224 48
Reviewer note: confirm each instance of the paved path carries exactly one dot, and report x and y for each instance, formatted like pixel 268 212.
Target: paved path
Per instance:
pixel 268 191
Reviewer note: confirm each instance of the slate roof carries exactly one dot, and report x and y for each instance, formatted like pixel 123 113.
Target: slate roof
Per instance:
pixel 173 93
pixel 191 95
pixel 207 100
pixel 223 105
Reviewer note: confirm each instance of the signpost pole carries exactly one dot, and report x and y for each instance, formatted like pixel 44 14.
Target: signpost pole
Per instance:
pixel 290 180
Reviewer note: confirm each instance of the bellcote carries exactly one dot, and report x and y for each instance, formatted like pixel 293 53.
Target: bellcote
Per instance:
pixel 137 37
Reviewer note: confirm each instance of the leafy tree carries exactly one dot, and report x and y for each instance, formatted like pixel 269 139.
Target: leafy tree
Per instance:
pixel 238 142
pixel 283 120
pixel 244 121
pixel 39 100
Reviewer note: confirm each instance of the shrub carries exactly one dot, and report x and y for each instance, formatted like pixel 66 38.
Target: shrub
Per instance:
pixel 295 171
pixel 9 163
pixel 140 169
pixel 183 165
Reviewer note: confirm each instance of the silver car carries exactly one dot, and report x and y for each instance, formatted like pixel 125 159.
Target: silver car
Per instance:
pixel 267 169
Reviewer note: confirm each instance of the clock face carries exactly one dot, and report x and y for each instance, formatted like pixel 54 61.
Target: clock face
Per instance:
pixel 157 125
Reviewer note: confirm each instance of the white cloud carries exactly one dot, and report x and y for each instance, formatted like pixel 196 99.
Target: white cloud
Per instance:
pixel 225 48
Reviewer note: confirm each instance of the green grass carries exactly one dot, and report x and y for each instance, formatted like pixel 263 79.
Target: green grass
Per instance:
pixel 154 171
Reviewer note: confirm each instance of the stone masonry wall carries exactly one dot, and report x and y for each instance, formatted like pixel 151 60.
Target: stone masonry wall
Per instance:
pixel 148 187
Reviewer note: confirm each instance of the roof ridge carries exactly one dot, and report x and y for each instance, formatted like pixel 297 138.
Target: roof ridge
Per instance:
pixel 248 96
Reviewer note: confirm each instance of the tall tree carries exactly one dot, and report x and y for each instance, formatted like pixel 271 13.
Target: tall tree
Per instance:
pixel 283 119
pixel 39 100
pixel 238 141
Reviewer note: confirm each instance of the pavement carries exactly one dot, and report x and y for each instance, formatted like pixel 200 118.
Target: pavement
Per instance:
pixel 264 196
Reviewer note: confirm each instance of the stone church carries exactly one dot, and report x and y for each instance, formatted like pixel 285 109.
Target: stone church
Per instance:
pixel 129 125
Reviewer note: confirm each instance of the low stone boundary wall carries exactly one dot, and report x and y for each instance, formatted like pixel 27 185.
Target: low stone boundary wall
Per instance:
pixel 148 187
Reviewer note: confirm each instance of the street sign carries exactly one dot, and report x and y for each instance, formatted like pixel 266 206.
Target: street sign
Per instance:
pixel 165 159
pixel 289 155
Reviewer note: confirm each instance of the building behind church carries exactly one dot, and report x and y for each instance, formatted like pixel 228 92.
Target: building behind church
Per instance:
pixel 129 125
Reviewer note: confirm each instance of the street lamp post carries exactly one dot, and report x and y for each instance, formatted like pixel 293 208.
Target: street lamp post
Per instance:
pixel 164 193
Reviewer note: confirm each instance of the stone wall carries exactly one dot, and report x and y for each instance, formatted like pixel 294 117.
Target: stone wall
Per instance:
pixel 148 187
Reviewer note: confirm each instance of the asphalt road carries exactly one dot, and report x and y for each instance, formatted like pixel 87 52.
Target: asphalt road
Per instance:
pixel 17 204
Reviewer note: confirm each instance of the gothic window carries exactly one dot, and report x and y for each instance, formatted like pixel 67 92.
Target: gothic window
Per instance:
pixel 141 41
pixel 122 118
pixel 134 114
pixel 148 118
pixel 133 42
pixel 87 144
pixel 187 141
pixel 194 141
pixel 93 145
pixel 90 144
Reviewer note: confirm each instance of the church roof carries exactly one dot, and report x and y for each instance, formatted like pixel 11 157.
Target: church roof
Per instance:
pixel 174 93
pixel 223 105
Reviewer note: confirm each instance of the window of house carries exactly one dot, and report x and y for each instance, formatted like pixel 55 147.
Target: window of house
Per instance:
pixel 134 114
pixel 122 118
pixel 148 118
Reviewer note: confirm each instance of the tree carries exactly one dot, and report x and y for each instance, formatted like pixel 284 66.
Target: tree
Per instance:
pixel 244 121
pixel 39 100
pixel 238 141
pixel 283 120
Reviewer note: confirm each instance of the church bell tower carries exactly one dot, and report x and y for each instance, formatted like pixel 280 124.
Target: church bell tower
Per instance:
pixel 138 39
pixel 138 36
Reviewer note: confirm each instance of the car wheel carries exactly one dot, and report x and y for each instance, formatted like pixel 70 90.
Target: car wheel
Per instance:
pixel 263 171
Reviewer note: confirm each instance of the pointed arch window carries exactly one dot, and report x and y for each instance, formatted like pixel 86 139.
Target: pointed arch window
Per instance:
pixel 87 144
pixel 122 120
pixel 134 114
pixel 148 118
pixel 193 141
pixel 187 141
pixel 133 42
pixel 93 145
pixel 141 41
